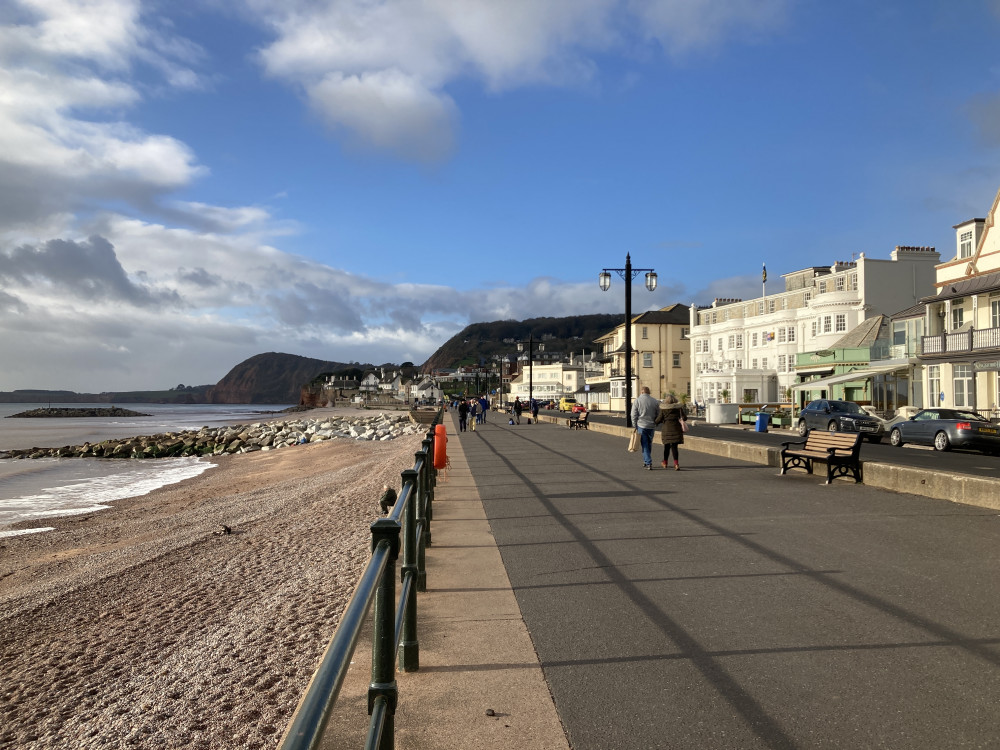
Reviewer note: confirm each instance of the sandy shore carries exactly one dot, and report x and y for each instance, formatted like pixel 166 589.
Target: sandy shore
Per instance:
pixel 138 627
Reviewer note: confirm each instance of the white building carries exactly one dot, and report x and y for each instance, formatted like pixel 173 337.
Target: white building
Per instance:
pixel 549 381
pixel 745 351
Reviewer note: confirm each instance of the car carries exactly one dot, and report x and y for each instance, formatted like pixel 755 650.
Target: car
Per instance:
pixel 566 403
pixel 946 429
pixel 579 408
pixel 840 416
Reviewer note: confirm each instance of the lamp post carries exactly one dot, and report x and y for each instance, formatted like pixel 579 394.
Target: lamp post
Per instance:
pixel 628 274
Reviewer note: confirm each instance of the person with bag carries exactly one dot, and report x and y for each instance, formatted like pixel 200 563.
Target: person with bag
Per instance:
pixel 645 416
pixel 674 421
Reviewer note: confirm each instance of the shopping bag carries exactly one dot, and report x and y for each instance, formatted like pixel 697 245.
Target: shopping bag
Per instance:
pixel 684 425
pixel 633 442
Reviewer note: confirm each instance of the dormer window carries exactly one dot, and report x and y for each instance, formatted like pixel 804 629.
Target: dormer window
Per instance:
pixel 965 245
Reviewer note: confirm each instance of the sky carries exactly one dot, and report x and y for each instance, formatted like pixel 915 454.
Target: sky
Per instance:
pixel 187 184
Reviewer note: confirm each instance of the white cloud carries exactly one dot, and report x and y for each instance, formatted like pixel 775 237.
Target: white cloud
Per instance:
pixel 380 69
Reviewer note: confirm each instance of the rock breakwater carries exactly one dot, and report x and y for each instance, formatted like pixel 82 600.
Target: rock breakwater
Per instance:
pixel 112 411
pixel 215 441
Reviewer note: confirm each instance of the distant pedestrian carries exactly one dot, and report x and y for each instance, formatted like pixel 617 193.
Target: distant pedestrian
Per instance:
pixel 645 414
pixel 518 408
pixel 474 412
pixel 484 403
pixel 534 410
pixel 463 414
pixel 673 417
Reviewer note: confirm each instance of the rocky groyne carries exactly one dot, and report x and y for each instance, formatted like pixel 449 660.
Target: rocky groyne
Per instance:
pixel 112 411
pixel 215 441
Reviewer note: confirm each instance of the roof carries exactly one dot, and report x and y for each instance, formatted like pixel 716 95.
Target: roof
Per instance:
pixel 916 311
pixel 988 282
pixel 862 335
pixel 596 388
pixel 676 314
pixel 846 377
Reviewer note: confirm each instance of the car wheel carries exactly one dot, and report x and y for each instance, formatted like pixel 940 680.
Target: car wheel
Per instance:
pixel 941 442
pixel 802 428
pixel 832 427
pixel 896 438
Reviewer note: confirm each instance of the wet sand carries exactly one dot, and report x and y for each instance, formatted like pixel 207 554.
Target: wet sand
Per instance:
pixel 139 627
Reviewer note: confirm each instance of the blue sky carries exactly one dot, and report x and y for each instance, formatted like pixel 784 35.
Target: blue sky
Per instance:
pixel 184 185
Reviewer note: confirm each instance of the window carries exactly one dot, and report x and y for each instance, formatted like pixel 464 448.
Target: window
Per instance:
pixel 807 296
pixel 725 314
pixel 995 314
pixel 645 332
pixel 822 287
pixel 753 339
pixel 719 347
pixel 677 359
pixel 840 283
pixel 763 363
pixel 957 318
pixel 782 359
pixel 791 335
pixel 714 316
pixel 753 364
pixel 739 340
pixel 647 359
pixel 934 385
pixel 965 247
pixel 685 332
pixel 732 341
pixel 841 323
pixel 853 282
pixel 760 308
pixel 770 305
pixel 963 384
pixel 814 329
pixel 784 303
pixel 827 324
pixel 781 336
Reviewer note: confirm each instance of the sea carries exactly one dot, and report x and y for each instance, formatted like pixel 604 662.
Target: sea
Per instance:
pixel 41 490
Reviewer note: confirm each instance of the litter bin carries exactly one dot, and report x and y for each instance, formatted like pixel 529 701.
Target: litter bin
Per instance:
pixel 762 419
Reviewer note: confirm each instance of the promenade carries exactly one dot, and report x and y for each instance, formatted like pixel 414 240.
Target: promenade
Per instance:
pixel 721 606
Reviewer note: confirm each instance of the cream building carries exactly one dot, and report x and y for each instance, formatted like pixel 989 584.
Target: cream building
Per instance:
pixel 660 356
pixel 549 381
pixel 746 351
pixel 961 351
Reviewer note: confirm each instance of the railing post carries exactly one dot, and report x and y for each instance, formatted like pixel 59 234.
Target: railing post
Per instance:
pixel 428 487
pixel 421 459
pixel 383 683
pixel 409 646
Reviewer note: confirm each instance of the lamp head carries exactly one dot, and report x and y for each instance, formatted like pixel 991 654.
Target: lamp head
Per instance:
pixel 651 281
pixel 605 280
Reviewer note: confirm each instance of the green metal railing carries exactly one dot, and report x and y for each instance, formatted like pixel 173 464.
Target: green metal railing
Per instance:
pixel 395 627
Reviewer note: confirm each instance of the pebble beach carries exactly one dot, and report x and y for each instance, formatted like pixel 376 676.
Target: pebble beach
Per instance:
pixel 141 626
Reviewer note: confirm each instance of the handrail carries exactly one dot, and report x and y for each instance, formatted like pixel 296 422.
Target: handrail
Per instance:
pixel 395 627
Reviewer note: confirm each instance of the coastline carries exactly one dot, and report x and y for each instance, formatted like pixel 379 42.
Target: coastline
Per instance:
pixel 138 626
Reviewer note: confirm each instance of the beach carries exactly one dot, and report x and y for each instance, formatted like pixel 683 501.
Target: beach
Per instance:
pixel 140 626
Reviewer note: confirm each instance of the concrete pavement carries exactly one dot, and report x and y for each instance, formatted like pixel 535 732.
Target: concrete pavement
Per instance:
pixel 592 604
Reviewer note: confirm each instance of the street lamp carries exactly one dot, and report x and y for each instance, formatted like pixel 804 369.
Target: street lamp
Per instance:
pixel 628 273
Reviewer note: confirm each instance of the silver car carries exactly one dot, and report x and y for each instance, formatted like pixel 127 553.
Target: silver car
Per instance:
pixel 946 429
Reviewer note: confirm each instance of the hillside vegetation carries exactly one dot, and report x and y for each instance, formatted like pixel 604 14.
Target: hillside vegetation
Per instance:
pixel 478 343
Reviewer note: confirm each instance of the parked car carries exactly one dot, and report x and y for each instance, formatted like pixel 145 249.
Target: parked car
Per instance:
pixel 946 429
pixel 579 408
pixel 566 403
pixel 840 416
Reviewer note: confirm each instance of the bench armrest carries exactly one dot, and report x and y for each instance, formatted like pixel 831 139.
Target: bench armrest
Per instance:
pixel 793 442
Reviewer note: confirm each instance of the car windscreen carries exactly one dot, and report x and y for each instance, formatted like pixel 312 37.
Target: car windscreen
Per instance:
pixel 968 416
pixel 847 406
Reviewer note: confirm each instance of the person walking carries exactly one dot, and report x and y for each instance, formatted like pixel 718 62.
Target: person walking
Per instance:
pixel 534 411
pixel 484 404
pixel 518 408
pixel 673 417
pixel 645 415
pixel 463 414
pixel 474 412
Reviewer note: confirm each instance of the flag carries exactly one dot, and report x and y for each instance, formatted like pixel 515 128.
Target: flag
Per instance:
pixel 763 277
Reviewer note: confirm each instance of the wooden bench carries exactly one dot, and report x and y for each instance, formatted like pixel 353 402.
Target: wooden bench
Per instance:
pixel 841 451
pixel 579 421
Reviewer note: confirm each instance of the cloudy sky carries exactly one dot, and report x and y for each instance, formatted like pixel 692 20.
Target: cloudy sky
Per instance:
pixel 187 184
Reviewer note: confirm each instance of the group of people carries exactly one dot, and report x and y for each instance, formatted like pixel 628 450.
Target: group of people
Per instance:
pixel 475 406
pixel 647 413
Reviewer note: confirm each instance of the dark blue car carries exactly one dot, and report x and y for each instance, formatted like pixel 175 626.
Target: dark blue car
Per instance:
pixel 839 416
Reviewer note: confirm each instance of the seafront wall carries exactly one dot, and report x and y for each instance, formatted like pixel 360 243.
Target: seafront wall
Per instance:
pixel 958 488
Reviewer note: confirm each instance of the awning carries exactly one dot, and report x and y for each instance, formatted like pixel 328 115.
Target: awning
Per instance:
pixel 813 370
pixel 846 377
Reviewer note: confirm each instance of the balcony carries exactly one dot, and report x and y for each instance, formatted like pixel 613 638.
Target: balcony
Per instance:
pixel 960 342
